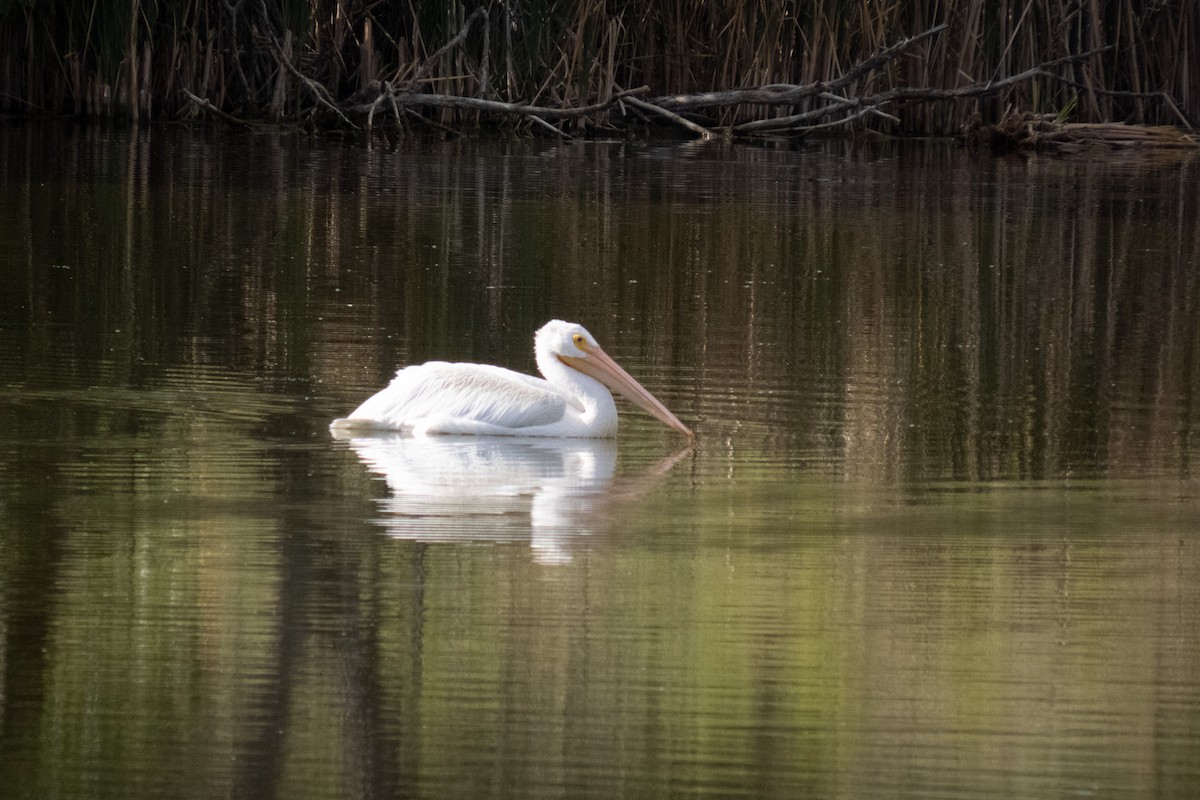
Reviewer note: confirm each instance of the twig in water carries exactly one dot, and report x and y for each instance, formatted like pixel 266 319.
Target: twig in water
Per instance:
pixel 549 127
pixel 699 130
pixel 208 106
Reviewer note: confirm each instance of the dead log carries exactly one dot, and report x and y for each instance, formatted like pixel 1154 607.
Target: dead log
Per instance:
pixel 418 99
pixel 786 94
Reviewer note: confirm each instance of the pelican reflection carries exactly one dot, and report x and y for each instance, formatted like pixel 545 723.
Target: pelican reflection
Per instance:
pixel 477 489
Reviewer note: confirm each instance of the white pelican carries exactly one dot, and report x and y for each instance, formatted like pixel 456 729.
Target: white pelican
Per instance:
pixel 571 401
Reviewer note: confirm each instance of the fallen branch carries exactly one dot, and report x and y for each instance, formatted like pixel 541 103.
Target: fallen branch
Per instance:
pixel 391 93
pixel 699 130
pixel 458 39
pixel 862 112
pixel 371 113
pixel 786 94
pixel 208 106
pixel 409 99
pixel 539 121
pixel 317 90
pixel 796 121
pixel 778 123
pixel 908 94
pixel 911 93
pixel 881 58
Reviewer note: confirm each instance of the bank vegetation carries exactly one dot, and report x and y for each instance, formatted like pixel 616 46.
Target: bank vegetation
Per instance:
pixel 1026 71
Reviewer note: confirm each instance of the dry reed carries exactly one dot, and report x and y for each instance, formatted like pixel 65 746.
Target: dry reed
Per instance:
pixel 299 59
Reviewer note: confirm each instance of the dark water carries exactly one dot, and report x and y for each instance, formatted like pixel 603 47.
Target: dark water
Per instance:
pixel 937 537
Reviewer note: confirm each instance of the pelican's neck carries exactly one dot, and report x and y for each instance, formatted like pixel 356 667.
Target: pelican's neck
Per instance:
pixel 591 397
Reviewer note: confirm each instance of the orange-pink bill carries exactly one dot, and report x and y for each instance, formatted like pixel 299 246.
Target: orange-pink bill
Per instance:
pixel 600 366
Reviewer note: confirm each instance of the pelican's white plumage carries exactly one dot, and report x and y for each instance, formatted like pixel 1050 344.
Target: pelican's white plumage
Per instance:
pixel 572 400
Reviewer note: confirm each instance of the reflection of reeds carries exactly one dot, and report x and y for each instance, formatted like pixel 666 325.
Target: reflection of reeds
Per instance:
pixel 134 58
pixel 1015 319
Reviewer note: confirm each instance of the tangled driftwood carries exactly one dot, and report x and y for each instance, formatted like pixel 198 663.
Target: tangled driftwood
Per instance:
pixel 1047 131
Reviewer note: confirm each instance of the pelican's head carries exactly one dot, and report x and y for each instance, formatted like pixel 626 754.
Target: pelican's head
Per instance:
pixel 557 338
pixel 570 343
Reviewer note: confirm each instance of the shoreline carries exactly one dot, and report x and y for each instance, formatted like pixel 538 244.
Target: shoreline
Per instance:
pixel 741 71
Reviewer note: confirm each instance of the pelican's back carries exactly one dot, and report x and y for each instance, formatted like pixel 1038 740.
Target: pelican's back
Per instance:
pixel 439 397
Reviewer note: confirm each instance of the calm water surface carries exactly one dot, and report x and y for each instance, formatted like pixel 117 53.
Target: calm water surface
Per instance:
pixel 937 536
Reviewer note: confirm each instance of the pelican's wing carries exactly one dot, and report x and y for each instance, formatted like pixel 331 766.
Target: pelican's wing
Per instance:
pixel 461 398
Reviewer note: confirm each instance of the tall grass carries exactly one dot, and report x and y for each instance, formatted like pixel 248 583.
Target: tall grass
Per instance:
pixel 132 58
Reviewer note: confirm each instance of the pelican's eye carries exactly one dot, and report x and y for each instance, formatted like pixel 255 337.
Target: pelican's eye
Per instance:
pixel 579 340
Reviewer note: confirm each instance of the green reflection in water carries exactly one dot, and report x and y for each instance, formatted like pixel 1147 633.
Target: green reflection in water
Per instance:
pixel 937 536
